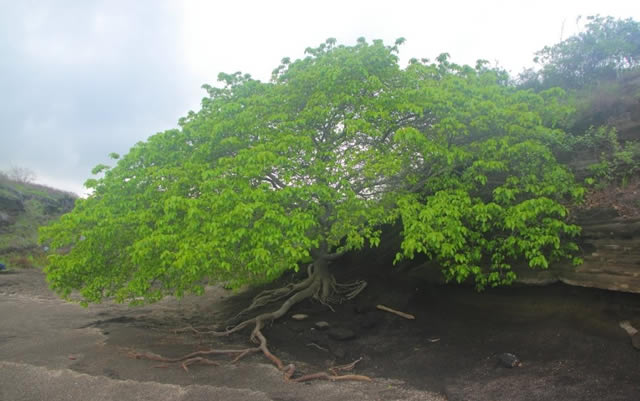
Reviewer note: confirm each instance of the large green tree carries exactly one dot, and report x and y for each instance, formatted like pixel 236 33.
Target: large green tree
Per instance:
pixel 268 177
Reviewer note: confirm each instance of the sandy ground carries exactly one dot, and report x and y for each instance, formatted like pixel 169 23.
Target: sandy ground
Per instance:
pixel 52 350
pixel 568 340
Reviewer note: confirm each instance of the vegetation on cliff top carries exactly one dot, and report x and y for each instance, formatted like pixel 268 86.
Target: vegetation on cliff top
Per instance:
pixel 24 207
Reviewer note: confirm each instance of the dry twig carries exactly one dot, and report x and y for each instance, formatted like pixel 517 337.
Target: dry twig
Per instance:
pixel 401 314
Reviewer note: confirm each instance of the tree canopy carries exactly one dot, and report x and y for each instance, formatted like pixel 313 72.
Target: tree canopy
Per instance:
pixel 268 176
pixel 607 47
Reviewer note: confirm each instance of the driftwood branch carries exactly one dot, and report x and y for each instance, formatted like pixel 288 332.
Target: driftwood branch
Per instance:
pixel 396 312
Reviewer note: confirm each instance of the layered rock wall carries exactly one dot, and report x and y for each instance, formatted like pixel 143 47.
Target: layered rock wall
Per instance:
pixel 611 252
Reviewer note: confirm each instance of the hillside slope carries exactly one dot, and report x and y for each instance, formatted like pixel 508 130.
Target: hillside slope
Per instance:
pixel 23 208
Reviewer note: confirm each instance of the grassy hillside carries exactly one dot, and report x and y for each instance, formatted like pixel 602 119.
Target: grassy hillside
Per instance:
pixel 23 208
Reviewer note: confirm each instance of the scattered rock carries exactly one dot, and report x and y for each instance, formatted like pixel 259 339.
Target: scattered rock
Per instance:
pixel 341 334
pixel 509 360
pixel 299 316
pixel 632 332
pixel 626 326
pixel 322 325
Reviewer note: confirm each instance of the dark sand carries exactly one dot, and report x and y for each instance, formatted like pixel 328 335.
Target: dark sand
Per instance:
pixel 568 339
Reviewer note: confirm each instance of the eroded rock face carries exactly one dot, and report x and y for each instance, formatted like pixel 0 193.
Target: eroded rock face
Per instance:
pixel 609 247
pixel 610 240
pixel 611 254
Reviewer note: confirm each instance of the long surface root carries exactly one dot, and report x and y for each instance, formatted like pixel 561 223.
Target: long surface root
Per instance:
pixel 195 357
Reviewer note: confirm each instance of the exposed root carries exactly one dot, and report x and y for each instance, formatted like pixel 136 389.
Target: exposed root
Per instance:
pixel 289 370
pixel 270 296
pixel 326 376
pixel 347 367
pixel 198 359
pixel 319 285
pixel 346 292
pixel 194 330
pixel 194 357
pixel 318 347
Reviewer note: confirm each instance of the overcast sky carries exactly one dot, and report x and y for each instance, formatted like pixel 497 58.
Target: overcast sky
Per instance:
pixel 80 79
